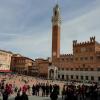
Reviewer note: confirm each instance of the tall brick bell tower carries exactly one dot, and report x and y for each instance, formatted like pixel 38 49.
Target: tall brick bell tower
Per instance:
pixel 56 23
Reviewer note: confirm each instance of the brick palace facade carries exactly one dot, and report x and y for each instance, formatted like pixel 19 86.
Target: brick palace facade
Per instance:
pixel 82 65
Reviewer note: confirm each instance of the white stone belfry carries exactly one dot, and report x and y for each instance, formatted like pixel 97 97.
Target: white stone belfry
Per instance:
pixel 56 18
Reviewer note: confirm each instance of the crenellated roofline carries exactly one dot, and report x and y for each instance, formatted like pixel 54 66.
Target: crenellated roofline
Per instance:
pixel 63 55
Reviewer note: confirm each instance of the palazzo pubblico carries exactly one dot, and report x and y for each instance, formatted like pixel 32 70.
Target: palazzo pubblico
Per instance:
pixel 82 65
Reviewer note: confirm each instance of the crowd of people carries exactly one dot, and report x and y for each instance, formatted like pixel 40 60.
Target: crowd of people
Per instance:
pixel 45 89
pixel 40 89
pixel 84 92
pixel 21 87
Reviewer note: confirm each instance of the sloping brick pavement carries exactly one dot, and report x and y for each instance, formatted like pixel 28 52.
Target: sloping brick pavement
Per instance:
pixel 34 98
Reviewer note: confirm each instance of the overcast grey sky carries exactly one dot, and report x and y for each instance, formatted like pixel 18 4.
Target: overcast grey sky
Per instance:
pixel 25 25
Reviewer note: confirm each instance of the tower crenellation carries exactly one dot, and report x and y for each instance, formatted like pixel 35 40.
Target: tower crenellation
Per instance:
pixel 74 42
pixel 92 41
pixel 66 55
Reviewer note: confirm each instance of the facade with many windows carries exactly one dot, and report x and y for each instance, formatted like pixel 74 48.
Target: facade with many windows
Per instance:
pixel 5 60
pixel 21 64
pixel 83 64
pixel 27 66
pixel 42 66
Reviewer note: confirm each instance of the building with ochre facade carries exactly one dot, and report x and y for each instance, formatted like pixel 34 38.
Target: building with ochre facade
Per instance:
pixel 21 64
pixel 5 60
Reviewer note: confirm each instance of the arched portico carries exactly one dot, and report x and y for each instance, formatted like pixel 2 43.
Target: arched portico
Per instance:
pixel 52 72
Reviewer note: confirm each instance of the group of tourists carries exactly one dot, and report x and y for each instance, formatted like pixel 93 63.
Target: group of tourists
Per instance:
pixel 40 89
pixel 20 87
pixel 6 91
pixel 83 92
pixel 22 91
pixel 44 89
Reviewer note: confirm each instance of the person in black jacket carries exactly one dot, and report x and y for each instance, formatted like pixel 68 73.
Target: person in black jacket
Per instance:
pixel 47 89
pixel 33 89
pixel 24 96
pixel 54 95
pixel 18 97
pixel 5 95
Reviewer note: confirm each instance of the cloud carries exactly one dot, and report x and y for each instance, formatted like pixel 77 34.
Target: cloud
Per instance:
pixel 30 45
pixel 25 25
pixel 17 16
pixel 81 28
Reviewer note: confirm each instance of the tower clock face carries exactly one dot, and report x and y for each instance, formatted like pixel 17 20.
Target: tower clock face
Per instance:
pixel 54 53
